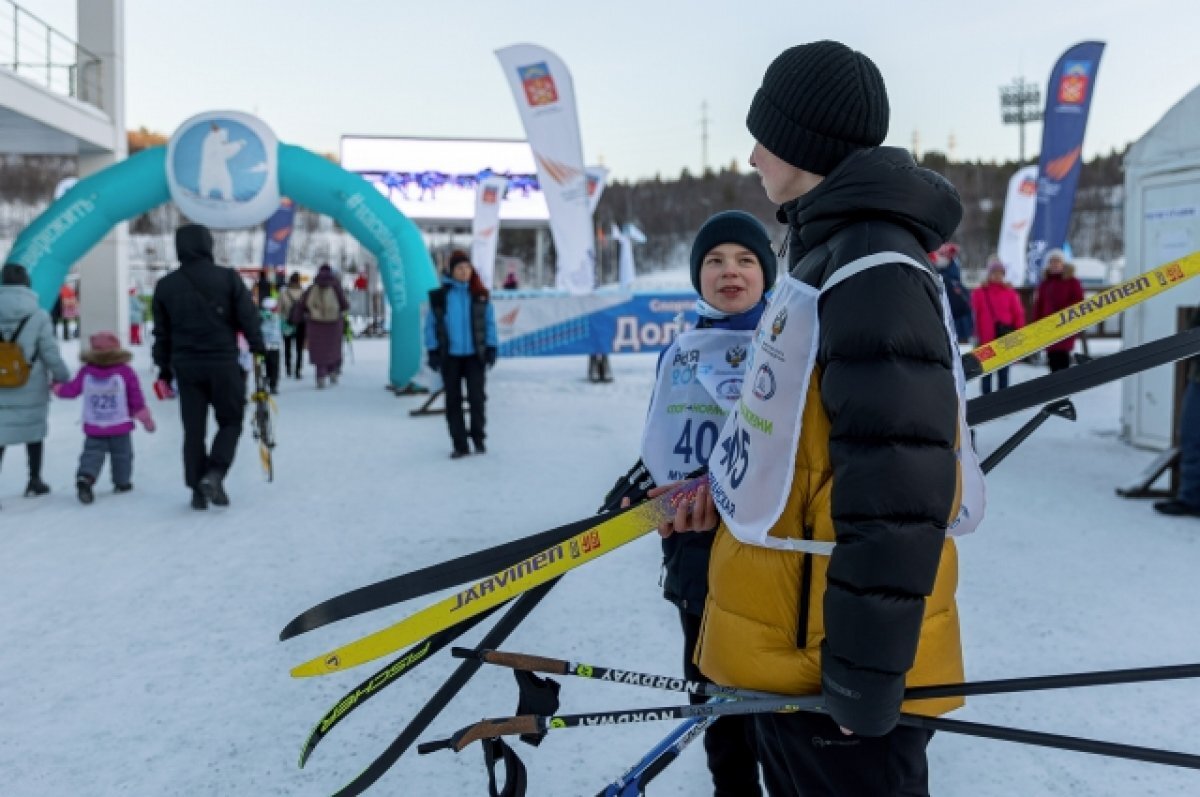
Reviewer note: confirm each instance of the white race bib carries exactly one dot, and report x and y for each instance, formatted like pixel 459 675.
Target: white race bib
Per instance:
pixel 751 477
pixel 699 380
pixel 104 401
pixel 751 471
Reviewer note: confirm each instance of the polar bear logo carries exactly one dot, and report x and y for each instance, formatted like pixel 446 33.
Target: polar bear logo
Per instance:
pixel 215 153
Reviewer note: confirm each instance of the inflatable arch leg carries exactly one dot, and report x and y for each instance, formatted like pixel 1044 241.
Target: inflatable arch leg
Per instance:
pixel 71 226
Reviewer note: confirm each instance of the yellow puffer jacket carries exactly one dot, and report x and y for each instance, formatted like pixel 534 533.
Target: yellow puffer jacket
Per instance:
pixel 752 616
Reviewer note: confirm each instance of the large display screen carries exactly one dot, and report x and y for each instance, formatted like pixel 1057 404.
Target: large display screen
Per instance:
pixel 434 179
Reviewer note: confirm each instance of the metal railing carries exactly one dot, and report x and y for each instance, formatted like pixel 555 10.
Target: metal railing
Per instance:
pixel 37 52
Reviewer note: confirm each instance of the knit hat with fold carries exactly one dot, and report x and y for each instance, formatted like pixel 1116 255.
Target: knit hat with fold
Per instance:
pixel 818 103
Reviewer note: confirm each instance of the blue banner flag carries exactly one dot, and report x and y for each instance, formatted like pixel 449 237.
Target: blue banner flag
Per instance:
pixel 1068 100
pixel 278 232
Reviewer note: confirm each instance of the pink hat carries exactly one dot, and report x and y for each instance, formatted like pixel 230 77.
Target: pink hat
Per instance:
pixel 104 341
pixel 995 265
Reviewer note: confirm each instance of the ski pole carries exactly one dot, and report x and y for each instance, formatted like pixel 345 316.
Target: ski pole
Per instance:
pixel 532 723
pixel 593 672
pixel 1063 408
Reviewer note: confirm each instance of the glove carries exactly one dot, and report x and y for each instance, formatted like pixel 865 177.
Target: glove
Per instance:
pixel 435 360
pixel 489 356
pixel 147 420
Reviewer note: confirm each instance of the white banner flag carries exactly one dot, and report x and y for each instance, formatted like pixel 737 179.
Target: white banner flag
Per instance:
pixel 626 269
pixel 545 97
pixel 597 177
pixel 1014 226
pixel 485 227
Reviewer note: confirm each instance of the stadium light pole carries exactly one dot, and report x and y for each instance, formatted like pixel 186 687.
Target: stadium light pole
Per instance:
pixel 1020 103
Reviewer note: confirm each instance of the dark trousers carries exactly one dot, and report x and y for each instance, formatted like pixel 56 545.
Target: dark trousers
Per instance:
pixel 729 742
pixel 222 386
pixel 118 448
pixel 296 342
pixel 33 452
pixel 1058 360
pixel 1189 447
pixel 985 384
pixel 455 371
pixel 806 755
pixel 271 360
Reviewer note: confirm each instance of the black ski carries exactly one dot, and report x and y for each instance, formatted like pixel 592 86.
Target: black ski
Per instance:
pixel 402 665
pixel 1099 371
pixel 469 567
pixel 479 564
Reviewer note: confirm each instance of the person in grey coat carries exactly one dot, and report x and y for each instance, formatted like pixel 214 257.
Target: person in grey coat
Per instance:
pixel 24 410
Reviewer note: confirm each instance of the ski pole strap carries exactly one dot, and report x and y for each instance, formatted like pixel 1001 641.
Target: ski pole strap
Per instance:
pixel 536 695
pixel 515 779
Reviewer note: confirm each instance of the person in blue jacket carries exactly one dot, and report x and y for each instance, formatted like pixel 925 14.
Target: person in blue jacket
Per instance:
pixel 460 340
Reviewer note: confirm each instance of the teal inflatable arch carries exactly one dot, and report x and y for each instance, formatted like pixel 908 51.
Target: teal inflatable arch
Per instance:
pixel 75 223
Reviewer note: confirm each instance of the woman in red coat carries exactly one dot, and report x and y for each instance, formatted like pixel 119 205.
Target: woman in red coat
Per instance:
pixel 1056 292
pixel 998 311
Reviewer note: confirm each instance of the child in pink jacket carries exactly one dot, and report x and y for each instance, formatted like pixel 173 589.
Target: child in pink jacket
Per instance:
pixel 112 400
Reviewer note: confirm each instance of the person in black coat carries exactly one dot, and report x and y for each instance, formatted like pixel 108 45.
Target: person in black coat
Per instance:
pixel 199 309
pixel 884 368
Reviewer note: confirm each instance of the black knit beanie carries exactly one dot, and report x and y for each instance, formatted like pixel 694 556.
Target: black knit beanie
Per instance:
pixel 818 103
pixel 734 227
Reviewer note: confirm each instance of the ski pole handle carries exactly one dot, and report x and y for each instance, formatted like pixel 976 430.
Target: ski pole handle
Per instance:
pixel 484 729
pixel 515 661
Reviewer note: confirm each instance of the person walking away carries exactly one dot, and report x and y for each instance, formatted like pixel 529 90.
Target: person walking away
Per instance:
pixel 321 309
pixel 461 343
pixel 293 332
pixel 1055 292
pixel 998 311
pixel 700 377
pixel 29 363
pixel 199 309
pixel 950 270
pixel 137 317
pixel 272 334
pixel 112 400
pixel 846 462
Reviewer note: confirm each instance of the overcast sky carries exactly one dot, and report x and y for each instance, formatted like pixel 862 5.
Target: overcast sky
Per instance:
pixel 317 69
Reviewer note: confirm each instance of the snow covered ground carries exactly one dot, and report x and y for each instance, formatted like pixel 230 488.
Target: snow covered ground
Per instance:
pixel 140 651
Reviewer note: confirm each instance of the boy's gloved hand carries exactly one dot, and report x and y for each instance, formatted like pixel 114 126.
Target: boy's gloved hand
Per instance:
pixel 489 356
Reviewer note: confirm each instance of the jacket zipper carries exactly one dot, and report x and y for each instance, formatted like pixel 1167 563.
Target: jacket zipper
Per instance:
pixel 805 588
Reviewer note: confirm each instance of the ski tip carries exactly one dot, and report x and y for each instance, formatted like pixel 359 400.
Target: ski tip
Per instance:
pixel 322 665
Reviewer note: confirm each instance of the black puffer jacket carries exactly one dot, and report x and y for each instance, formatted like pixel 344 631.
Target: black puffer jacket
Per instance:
pixel 200 307
pixel 887 386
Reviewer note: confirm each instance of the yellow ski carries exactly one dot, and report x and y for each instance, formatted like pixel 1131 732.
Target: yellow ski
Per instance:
pixel 1078 317
pixel 480 596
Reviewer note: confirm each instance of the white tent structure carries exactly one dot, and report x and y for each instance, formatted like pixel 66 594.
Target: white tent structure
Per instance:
pixel 1162 223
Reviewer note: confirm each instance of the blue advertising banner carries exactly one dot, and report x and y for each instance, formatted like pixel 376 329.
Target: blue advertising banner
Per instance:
pixel 539 325
pixel 278 233
pixel 1068 100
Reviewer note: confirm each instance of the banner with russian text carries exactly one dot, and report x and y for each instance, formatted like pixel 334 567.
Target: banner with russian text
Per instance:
pixel 1068 100
pixel 1015 224
pixel 278 231
pixel 485 227
pixel 613 322
pixel 545 97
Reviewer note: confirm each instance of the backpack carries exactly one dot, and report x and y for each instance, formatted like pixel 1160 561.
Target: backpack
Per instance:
pixel 322 305
pixel 14 368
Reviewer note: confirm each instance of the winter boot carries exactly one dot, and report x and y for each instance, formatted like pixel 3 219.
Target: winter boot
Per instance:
pixel 83 489
pixel 211 488
pixel 36 487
